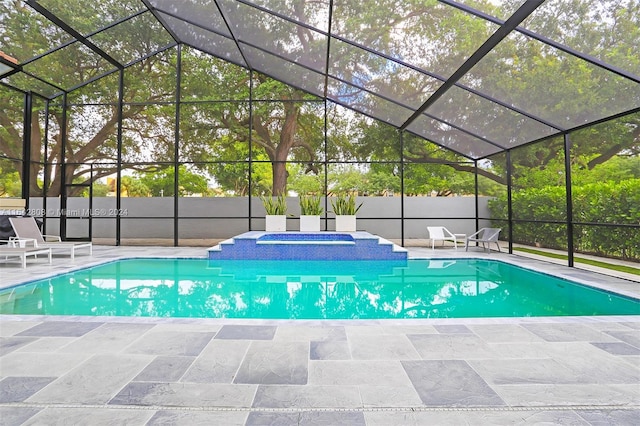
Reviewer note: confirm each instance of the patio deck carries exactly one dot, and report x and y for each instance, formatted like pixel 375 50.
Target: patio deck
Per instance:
pixel 80 370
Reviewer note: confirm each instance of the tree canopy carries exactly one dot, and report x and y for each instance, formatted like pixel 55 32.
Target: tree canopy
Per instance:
pixel 246 131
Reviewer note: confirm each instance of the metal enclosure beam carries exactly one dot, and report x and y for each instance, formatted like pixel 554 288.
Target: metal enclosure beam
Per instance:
pixel 67 28
pixel 568 189
pixel 509 200
pixel 119 159
pixel 510 24
pixel 26 147
pixel 63 168
pixel 176 149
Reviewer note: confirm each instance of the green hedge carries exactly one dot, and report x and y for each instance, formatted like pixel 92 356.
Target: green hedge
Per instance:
pixel 605 203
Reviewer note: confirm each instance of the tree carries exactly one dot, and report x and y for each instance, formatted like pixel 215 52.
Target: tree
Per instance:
pixel 277 130
pixel 346 180
pixel 305 183
pixel 10 184
pixel 523 72
pixel 11 118
pixel 161 182
pixel 98 189
pixel 91 128
pixel 133 187
pixel 287 124
pixel 556 87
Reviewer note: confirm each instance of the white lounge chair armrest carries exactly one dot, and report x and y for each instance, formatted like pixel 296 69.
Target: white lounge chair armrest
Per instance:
pixel 470 237
pixel 11 242
pixel 22 242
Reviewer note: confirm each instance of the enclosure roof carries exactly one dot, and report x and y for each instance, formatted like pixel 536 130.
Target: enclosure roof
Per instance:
pixel 475 76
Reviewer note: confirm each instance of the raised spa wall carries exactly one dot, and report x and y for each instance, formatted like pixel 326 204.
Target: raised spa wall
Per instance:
pixel 259 245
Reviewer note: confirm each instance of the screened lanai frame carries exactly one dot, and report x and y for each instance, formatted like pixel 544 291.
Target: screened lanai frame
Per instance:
pixel 438 113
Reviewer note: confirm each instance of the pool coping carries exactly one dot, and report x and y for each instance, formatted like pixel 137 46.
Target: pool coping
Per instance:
pixel 603 319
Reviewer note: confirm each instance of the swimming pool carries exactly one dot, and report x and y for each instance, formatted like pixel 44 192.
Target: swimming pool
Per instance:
pixel 417 288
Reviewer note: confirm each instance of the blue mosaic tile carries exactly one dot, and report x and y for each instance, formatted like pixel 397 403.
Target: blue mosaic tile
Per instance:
pixel 317 246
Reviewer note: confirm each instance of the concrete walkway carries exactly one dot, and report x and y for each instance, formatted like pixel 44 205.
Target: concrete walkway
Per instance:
pixel 138 371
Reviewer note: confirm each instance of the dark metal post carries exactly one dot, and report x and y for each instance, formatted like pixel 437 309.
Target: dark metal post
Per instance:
pixel 509 205
pixel 568 189
pixel 91 202
pixel 249 186
pixel 119 158
pixel 26 147
pixel 326 120
pixel 47 167
pixel 401 134
pixel 475 169
pixel 326 166
pixel 176 150
pixel 63 169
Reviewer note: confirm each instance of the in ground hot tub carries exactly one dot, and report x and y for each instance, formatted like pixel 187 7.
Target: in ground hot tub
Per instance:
pixel 305 238
pixel 258 245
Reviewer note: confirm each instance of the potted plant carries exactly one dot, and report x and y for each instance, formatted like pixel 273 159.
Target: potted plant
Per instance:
pixel 310 211
pixel 345 209
pixel 276 218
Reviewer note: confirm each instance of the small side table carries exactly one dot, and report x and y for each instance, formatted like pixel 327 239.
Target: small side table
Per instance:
pixel 460 238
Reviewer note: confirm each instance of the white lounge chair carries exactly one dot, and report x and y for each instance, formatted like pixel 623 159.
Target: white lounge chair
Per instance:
pixel 484 236
pixel 440 233
pixel 23 252
pixel 26 228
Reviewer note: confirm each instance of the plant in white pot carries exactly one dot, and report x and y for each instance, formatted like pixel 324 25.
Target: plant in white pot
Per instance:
pixel 276 218
pixel 345 209
pixel 310 211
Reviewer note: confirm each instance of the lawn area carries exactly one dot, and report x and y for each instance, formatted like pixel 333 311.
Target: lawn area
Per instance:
pixel 600 264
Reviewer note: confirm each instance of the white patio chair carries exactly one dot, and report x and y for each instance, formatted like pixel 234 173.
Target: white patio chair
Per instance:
pixel 440 233
pixel 26 228
pixel 484 236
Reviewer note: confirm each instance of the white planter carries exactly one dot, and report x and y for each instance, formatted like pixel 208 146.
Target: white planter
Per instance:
pixel 275 223
pixel 310 223
pixel 346 223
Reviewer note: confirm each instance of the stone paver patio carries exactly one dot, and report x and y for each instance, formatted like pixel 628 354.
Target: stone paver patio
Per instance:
pixel 82 370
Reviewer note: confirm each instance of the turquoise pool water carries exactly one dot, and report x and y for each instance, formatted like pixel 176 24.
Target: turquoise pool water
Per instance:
pixel 310 290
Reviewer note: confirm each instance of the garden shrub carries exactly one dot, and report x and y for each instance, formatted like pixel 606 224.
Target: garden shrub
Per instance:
pixel 611 203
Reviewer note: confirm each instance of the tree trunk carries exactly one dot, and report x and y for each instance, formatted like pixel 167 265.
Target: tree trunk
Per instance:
pixel 279 174
pixel 287 140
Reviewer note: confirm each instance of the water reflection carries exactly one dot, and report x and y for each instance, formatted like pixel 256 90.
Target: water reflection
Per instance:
pixel 308 290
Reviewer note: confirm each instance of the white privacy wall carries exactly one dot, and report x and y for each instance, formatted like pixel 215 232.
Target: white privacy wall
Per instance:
pixel 221 217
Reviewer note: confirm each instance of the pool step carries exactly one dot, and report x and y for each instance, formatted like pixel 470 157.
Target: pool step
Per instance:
pixel 258 245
